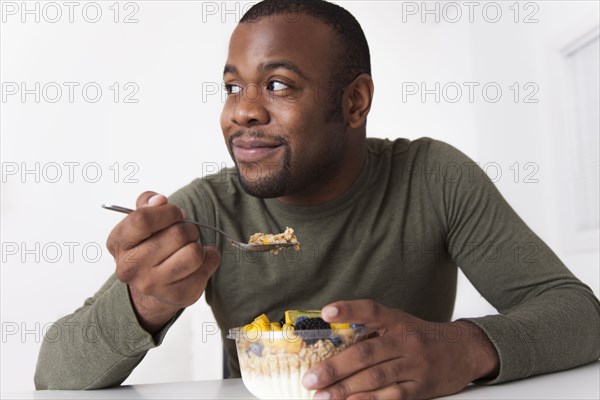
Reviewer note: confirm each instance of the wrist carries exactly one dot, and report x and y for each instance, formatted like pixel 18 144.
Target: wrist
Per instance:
pixel 481 352
pixel 151 314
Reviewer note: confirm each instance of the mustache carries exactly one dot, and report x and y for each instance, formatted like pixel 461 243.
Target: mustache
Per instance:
pixel 256 134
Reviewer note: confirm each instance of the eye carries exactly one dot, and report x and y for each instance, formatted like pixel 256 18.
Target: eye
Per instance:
pixel 232 89
pixel 276 86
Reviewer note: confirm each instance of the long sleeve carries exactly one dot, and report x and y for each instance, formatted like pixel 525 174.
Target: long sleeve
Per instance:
pixel 548 320
pixel 98 345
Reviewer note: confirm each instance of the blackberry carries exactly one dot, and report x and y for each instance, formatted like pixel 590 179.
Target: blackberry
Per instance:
pixel 282 321
pixel 311 324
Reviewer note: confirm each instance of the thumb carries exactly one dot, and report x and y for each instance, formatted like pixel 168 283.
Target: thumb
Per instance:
pixel 366 312
pixel 212 257
pixel 149 199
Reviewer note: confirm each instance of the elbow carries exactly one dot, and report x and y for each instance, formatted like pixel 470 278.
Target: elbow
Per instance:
pixel 53 370
pixel 39 381
pixel 43 378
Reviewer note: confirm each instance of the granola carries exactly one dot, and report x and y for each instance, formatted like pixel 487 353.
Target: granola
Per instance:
pixel 267 238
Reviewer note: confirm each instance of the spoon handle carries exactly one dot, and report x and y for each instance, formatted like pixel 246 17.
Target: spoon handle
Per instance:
pixel 126 210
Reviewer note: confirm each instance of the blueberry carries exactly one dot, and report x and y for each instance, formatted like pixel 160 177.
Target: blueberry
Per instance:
pixel 336 340
pixel 256 348
pixel 301 318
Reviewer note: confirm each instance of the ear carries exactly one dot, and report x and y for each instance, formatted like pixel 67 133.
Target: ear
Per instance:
pixel 359 98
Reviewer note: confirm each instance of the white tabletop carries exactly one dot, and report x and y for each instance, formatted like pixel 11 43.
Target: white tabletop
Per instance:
pixel 578 383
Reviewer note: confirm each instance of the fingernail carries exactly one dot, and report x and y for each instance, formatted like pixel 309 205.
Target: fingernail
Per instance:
pixel 321 396
pixel 154 200
pixel 309 380
pixel 183 213
pixel 208 253
pixel 329 312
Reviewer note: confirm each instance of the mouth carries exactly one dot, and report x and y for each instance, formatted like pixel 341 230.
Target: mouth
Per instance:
pixel 254 150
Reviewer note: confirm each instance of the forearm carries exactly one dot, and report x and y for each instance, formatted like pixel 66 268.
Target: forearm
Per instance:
pixel 553 331
pixel 97 346
pixel 548 319
pixel 79 359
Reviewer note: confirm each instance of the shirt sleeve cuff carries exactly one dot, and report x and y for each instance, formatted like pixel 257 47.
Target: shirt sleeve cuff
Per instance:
pixel 511 342
pixel 118 326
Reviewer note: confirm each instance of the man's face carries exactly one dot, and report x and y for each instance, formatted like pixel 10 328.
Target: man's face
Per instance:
pixel 277 118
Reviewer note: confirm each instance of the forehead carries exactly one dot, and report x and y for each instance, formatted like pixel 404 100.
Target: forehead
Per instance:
pixel 301 40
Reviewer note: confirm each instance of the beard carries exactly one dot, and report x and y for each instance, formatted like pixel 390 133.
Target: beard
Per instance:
pixel 266 181
pixel 272 180
pixel 270 184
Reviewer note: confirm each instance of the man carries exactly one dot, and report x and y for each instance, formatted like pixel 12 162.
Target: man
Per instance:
pixel 382 232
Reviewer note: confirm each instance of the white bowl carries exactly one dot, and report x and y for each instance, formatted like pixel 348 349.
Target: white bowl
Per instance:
pixel 273 363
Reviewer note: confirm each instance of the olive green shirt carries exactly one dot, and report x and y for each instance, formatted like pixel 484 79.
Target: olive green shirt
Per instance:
pixel 418 211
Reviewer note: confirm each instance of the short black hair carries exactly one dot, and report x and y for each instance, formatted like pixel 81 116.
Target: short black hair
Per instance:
pixel 354 55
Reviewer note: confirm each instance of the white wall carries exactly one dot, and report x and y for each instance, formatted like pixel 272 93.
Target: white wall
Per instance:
pixel 174 54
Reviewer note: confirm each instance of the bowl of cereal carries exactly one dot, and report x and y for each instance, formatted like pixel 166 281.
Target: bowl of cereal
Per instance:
pixel 274 356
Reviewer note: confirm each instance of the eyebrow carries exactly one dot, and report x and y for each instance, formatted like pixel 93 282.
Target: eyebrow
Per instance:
pixel 273 65
pixel 229 69
pixel 269 66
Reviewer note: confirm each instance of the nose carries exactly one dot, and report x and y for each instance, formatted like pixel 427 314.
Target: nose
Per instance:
pixel 249 108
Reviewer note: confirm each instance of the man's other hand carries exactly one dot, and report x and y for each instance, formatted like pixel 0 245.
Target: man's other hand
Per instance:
pixel 161 260
pixel 408 358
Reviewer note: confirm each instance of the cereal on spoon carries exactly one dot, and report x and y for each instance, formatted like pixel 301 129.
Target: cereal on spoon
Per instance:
pixel 267 238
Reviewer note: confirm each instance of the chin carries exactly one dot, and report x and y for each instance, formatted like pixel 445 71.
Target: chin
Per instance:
pixel 264 187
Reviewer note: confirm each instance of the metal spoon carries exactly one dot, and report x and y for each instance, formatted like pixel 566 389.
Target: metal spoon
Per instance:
pixel 258 247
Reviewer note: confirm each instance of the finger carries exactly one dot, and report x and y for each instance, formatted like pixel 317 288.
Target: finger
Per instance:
pixel 184 262
pixel 350 361
pixel 165 243
pixel 400 391
pixel 212 257
pixel 150 199
pixel 372 378
pixel 211 261
pixel 139 265
pixel 188 290
pixel 143 223
pixel 367 312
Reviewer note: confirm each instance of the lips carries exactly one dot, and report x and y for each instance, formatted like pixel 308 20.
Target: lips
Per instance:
pixel 254 150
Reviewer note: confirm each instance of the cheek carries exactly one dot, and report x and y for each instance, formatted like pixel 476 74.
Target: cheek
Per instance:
pixel 224 118
pixel 299 118
pixel 225 122
pixel 307 142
